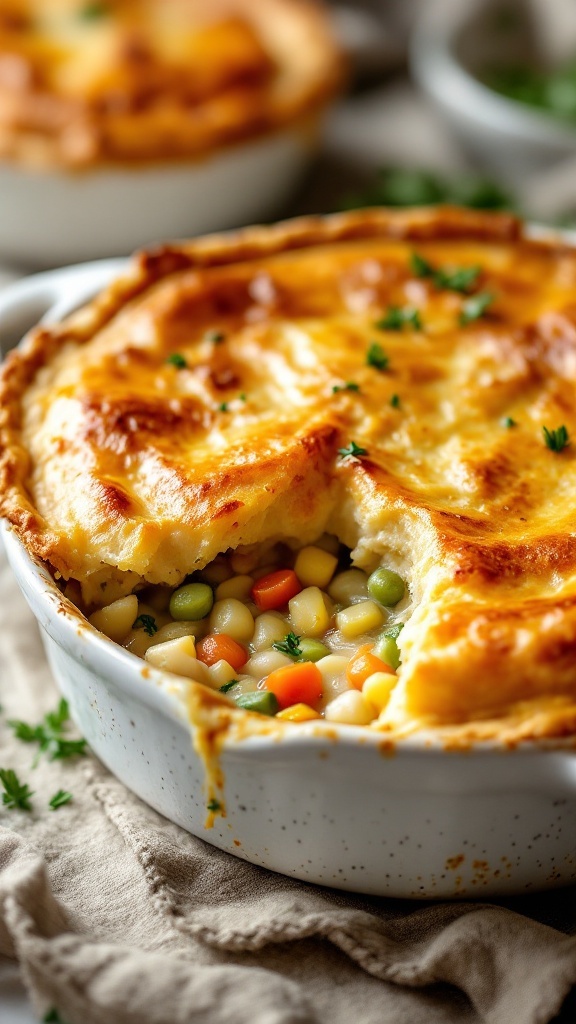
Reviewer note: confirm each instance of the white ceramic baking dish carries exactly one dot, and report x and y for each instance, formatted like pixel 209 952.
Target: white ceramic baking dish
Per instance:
pixel 340 808
pixel 53 217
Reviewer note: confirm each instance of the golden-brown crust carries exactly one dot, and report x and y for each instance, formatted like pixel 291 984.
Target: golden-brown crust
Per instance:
pixel 86 84
pixel 117 464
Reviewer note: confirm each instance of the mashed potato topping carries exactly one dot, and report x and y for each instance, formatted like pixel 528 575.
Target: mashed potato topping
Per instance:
pixel 402 382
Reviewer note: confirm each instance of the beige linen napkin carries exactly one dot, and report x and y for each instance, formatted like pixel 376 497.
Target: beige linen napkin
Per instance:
pixel 116 916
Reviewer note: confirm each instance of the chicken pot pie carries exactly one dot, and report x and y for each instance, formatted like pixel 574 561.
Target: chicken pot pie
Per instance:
pixel 91 82
pixel 326 467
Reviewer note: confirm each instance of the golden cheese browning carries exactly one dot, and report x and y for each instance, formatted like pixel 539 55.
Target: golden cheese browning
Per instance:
pixel 84 82
pixel 208 401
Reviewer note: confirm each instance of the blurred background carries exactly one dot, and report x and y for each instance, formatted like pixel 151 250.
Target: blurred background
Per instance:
pixel 466 101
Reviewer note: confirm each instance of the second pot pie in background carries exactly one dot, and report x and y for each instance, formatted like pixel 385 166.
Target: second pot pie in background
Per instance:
pixel 126 121
pixel 402 381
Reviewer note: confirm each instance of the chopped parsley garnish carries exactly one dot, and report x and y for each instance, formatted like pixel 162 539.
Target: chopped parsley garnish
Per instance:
pixel 215 337
pixel 290 645
pixel 396 318
pixel 242 397
pixel 59 799
pixel 223 407
pixel 377 357
pixel 457 280
pixel 214 805
pixel 228 686
pixel 147 623
pixel 395 401
pixel 353 451
pixel 15 793
pixel 394 631
pixel 508 422
pixel 556 440
pixel 177 360
pixel 94 11
pixel 50 734
pixel 475 307
pixel 348 386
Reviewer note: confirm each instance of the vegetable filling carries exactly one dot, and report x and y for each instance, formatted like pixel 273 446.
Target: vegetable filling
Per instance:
pixel 300 635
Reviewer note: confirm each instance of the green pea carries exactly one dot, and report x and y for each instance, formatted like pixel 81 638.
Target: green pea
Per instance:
pixel 386 649
pixel 312 650
pixel 386 587
pixel 262 701
pixel 191 602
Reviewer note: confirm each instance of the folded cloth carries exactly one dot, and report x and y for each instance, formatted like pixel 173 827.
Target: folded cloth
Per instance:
pixel 116 915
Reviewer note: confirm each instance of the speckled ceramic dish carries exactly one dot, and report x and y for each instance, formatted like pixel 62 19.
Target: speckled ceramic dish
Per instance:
pixel 343 808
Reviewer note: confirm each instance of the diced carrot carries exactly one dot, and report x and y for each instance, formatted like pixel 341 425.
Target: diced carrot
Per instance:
pixel 221 647
pixel 296 684
pixel 276 589
pixel 364 664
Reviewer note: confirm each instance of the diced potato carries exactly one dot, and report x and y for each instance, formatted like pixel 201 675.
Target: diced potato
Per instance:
pixel 237 586
pixel 221 672
pixel 116 619
pixel 360 618
pixel 172 630
pixel 245 684
pixel 350 708
pixel 269 628
pixel 178 656
pixel 308 613
pixel 137 641
pixel 265 662
pixel 377 689
pixel 315 567
pixel 333 670
pixel 233 618
pixel 349 587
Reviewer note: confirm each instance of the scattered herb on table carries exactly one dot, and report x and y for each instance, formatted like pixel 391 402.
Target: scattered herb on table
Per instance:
pixel 353 451
pixel 16 794
pixel 52 1017
pixel 213 805
pixel 147 623
pixel 59 799
pixel 396 318
pixel 377 357
pixel 290 645
pixel 177 360
pixel 475 307
pixel 50 734
pixel 556 440
pixel 403 186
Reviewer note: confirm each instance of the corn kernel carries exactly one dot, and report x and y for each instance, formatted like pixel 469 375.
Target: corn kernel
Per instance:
pixel 350 708
pixel 116 619
pixel 377 689
pixel 333 671
pixel 298 713
pixel 308 612
pixel 237 586
pixel 315 567
pixel 172 630
pixel 360 618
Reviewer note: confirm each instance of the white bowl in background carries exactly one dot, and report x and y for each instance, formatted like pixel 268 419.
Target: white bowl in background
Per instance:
pixel 341 807
pixel 49 218
pixel 452 43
